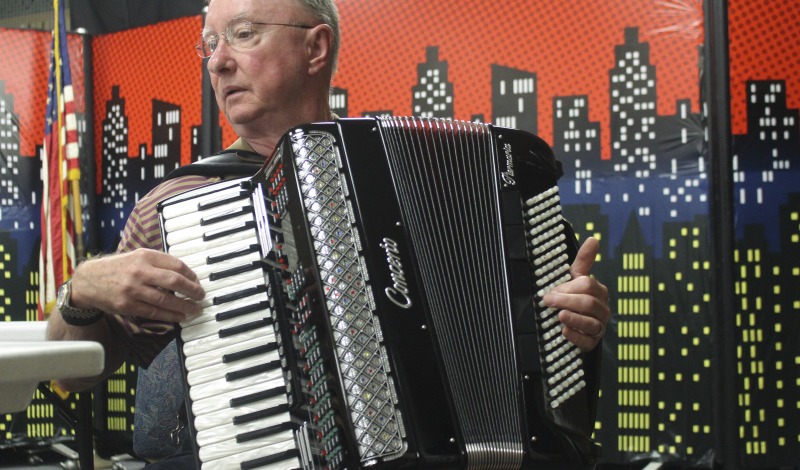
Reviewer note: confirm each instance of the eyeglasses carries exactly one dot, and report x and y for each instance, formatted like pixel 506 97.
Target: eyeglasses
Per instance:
pixel 240 35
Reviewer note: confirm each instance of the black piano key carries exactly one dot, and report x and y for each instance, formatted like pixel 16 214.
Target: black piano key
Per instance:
pixel 239 329
pixel 263 461
pixel 214 234
pixel 226 215
pixel 240 374
pixel 268 431
pixel 256 415
pixel 244 354
pixel 232 254
pixel 258 396
pixel 221 202
pixel 239 294
pixel 235 312
pixel 216 276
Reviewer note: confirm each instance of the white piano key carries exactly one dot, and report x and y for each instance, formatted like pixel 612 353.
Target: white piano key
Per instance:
pixel 201 330
pixel 225 456
pixel 209 313
pixel 185 235
pixel 218 371
pixel 213 287
pixel 200 257
pixel 256 279
pixel 229 431
pixel 192 219
pixel 210 358
pixel 220 386
pixel 225 416
pixel 204 271
pixel 211 343
pixel 213 402
pixel 195 246
pixel 189 201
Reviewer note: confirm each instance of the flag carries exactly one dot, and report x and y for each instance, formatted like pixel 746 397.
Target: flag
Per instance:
pixel 60 173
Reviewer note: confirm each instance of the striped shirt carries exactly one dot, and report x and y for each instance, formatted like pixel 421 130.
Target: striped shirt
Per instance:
pixel 146 338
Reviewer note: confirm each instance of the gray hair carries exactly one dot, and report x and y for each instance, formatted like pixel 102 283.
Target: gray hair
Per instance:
pixel 326 12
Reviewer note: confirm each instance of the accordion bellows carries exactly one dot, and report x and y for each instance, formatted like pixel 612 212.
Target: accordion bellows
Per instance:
pixel 374 299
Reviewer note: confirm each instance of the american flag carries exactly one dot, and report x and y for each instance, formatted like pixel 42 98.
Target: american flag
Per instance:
pixel 60 172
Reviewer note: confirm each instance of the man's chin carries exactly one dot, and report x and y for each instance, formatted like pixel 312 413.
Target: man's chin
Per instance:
pixel 238 115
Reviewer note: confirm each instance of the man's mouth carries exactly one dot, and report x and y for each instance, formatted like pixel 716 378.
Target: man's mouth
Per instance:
pixel 230 91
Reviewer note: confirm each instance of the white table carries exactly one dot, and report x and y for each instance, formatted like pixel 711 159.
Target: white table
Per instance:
pixel 26 359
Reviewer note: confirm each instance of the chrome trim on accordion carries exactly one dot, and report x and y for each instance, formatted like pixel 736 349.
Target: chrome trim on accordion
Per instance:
pixel 364 367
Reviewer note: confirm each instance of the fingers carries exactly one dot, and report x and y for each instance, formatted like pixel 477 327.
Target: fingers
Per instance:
pixel 143 283
pixel 583 331
pixel 571 291
pixel 583 301
pixel 588 308
pixel 157 304
pixel 585 258
pixel 164 271
pixel 584 311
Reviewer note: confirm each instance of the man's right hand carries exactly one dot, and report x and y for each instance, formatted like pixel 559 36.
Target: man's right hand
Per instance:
pixel 141 283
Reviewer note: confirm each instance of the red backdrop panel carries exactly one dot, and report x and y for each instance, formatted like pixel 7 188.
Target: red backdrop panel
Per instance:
pixel 152 62
pixel 25 57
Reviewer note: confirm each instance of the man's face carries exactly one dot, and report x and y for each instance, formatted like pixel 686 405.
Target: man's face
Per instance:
pixel 265 80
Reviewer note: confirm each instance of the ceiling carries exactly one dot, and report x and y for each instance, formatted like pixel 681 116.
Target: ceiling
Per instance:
pixel 95 16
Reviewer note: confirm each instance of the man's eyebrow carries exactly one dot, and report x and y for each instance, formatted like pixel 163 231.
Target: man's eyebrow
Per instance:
pixel 241 16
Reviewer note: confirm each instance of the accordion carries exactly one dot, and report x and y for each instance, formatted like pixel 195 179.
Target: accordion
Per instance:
pixel 373 298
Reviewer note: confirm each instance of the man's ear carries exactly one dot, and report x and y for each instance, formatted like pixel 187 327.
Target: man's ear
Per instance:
pixel 319 46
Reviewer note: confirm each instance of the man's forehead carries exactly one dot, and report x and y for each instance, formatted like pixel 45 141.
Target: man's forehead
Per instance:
pixel 223 12
pixel 241 8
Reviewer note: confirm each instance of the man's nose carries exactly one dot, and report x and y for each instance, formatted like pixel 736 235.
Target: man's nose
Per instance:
pixel 221 59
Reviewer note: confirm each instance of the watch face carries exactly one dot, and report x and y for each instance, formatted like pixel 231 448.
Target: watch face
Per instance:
pixel 63 295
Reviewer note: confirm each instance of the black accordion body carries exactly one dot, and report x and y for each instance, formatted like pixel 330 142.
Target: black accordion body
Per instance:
pixel 373 298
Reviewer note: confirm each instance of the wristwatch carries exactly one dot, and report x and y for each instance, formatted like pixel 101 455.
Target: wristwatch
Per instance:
pixel 71 315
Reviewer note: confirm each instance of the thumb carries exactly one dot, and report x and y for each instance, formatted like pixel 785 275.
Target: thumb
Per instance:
pixel 585 259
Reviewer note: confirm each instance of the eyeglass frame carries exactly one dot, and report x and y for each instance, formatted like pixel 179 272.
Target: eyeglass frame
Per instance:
pixel 199 48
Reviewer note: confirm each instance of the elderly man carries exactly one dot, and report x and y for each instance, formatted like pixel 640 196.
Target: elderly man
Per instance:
pixel 271 64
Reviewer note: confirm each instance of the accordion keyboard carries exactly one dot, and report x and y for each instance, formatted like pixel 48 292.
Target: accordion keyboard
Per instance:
pixel 235 374
pixel 561 359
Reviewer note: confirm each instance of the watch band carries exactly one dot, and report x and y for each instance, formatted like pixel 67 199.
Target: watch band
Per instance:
pixel 72 315
pixel 80 317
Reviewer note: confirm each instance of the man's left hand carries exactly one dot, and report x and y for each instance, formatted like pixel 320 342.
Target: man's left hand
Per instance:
pixel 583 301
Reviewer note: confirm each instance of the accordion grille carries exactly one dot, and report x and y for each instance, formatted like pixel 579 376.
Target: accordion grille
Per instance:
pixel 445 176
pixel 368 386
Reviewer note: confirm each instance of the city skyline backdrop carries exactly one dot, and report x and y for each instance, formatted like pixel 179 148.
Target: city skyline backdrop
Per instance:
pixel 645 196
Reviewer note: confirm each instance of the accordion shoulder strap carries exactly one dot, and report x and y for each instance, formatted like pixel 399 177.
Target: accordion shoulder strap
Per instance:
pixel 223 164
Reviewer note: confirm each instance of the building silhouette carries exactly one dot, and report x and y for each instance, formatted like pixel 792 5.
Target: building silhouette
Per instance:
pixel 378 113
pixel 166 132
pixel 9 150
pixel 338 101
pixel 432 96
pixel 576 139
pixel 774 129
pixel 514 98
pixel 633 306
pixel 682 341
pixel 115 197
pixel 633 107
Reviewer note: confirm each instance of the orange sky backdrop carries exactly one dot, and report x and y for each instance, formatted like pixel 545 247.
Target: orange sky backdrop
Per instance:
pixel 568 44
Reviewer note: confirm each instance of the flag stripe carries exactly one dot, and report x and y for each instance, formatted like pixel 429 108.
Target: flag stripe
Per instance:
pixel 59 157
